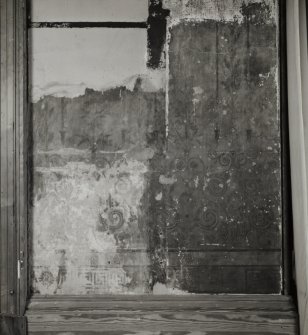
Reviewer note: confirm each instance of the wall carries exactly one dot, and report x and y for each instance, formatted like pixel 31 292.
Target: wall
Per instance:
pixel 159 176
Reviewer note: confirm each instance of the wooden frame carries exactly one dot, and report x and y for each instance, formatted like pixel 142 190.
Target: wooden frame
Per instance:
pixel 13 227
pixel 298 128
pixel 13 240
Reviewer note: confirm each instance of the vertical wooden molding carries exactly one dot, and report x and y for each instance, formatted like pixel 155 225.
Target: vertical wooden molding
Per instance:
pixel 298 128
pixel 304 81
pixel 22 162
pixel 13 107
pixel 287 222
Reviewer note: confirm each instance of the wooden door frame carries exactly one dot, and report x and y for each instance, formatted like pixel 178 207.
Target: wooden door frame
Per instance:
pixel 14 140
pixel 14 190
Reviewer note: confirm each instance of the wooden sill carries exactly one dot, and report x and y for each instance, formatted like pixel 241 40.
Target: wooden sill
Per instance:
pixel 162 315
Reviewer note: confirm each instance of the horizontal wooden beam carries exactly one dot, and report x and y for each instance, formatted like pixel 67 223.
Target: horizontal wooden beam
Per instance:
pixel 172 315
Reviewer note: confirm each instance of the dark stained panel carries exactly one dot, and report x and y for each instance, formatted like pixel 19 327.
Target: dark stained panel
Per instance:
pixel 223 180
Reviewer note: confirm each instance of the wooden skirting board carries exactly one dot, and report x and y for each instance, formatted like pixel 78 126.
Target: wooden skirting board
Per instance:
pixel 162 315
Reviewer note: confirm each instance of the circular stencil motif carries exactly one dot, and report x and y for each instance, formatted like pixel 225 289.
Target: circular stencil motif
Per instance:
pixel 212 155
pixel 56 160
pixel 115 219
pixel 123 185
pixel 262 217
pixel 102 162
pixel 241 159
pixel 225 159
pixel 173 222
pixel 178 164
pixel 209 219
pixel 217 187
pixel 196 165
pixel 251 186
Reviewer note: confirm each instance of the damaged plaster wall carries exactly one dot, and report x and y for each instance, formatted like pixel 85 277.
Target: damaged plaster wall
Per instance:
pixel 91 158
pixel 158 171
pixel 89 184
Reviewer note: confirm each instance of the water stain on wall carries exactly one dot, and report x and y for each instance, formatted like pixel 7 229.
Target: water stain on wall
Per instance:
pixel 167 191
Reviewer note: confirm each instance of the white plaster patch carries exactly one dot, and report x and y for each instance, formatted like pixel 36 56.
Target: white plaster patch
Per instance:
pixel 162 289
pixel 196 181
pixel 159 196
pixel 152 80
pixel 167 180
pixel 198 90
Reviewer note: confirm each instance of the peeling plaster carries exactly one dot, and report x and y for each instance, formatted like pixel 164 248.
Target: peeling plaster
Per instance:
pixel 218 10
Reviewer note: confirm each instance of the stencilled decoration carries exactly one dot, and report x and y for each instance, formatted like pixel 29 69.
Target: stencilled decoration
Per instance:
pixel 223 144
pixel 90 200
pixel 95 138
